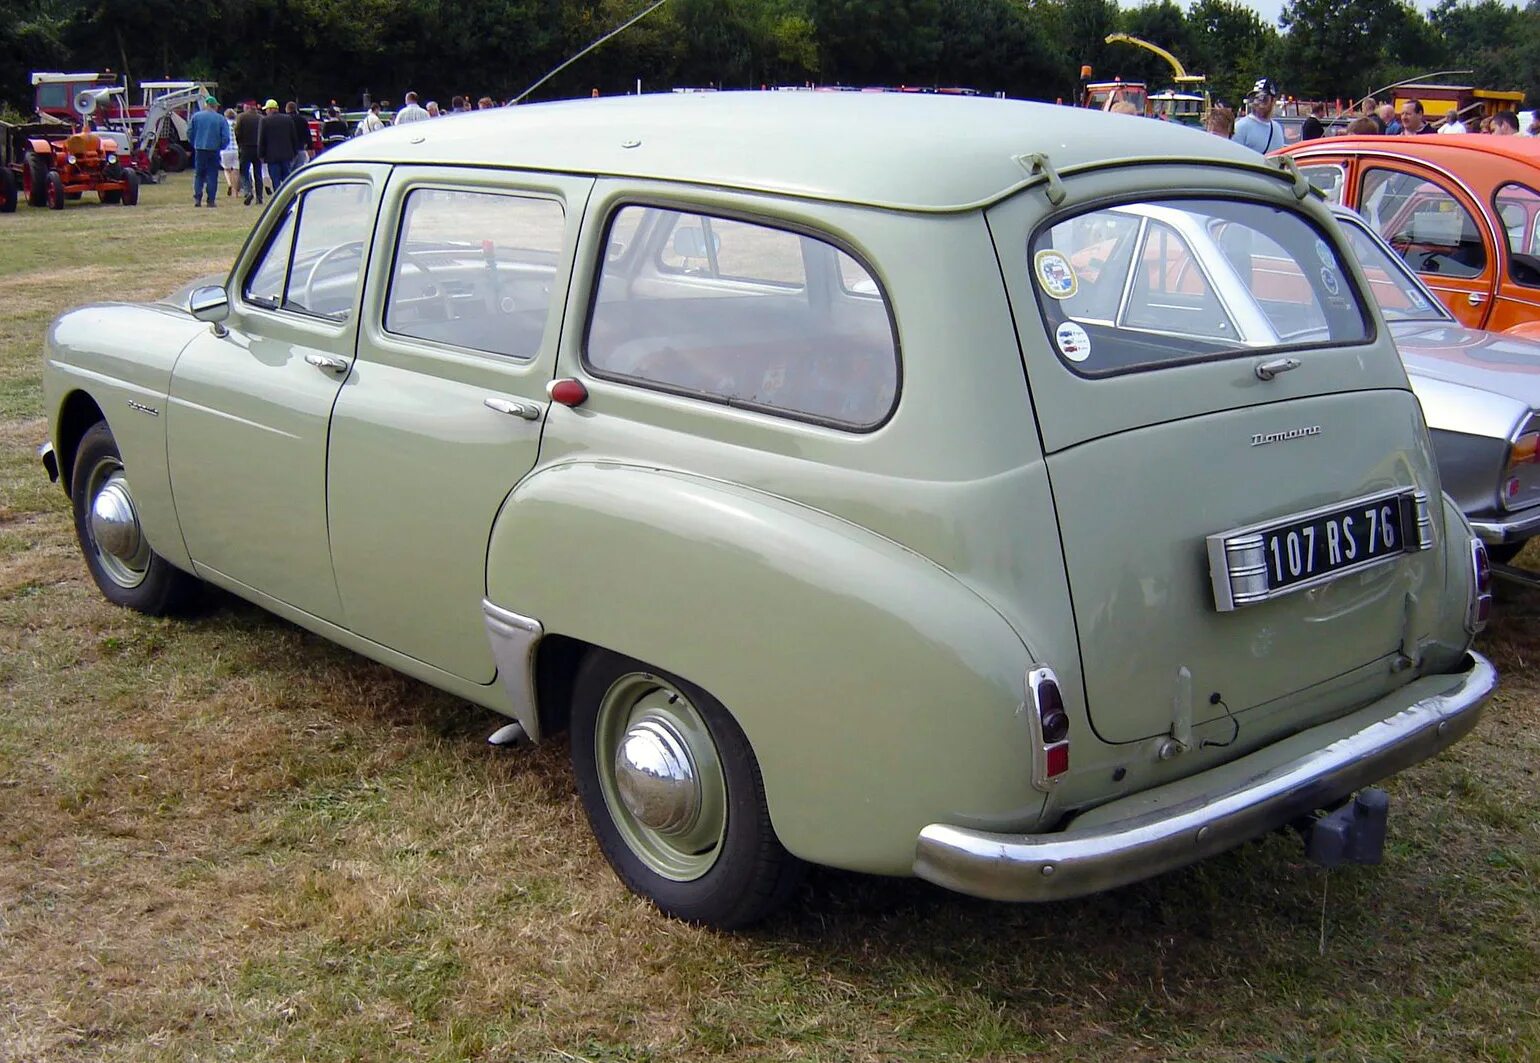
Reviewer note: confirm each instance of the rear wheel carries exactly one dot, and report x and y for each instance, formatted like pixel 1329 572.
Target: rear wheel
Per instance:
pixel 53 190
pixel 174 157
pixel 673 793
pixel 37 180
pixel 130 188
pixel 126 570
pixel 8 190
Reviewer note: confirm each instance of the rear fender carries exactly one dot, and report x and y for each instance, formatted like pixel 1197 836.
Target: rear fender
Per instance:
pixel 40 147
pixel 878 692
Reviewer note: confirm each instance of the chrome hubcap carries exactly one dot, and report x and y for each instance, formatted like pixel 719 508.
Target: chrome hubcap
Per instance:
pixel 656 779
pixel 113 522
pixel 663 783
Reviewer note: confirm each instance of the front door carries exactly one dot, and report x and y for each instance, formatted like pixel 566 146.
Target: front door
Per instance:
pixel 1438 229
pixel 443 411
pixel 251 399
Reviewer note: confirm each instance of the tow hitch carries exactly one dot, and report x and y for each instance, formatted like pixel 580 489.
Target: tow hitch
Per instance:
pixel 1354 833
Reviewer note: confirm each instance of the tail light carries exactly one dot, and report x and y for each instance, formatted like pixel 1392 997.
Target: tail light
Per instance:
pixel 1481 590
pixel 1050 727
pixel 1521 480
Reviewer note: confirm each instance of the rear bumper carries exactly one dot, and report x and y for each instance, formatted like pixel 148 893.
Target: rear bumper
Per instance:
pixel 1260 792
pixel 1514 530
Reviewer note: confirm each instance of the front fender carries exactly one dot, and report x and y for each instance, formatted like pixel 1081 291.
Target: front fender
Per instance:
pixel 878 692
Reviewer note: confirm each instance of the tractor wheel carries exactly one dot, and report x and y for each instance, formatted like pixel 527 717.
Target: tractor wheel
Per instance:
pixel 7 189
pixel 37 180
pixel 54 190
pixel 175 157
pixel 130 188
pixel 110 196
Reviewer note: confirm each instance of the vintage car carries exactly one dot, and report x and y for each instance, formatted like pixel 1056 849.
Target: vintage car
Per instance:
pixel 1461 210
pixel 1480 393
pixel 840 509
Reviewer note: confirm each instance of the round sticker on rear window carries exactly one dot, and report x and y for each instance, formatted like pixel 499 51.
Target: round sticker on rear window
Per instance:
pixel 1323 253
pixel 1329 280
pixel 1055 274
pixel 1073 342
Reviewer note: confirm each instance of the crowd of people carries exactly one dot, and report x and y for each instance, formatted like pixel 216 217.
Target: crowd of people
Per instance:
pixel 1258 130
pixel 259 147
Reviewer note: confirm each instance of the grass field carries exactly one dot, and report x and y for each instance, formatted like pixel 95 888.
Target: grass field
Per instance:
pixel 221 837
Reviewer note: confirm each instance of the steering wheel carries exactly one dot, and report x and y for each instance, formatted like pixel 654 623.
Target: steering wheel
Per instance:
pixel 355 247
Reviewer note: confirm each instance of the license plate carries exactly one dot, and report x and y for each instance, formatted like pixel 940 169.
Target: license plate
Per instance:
pixel 1264 561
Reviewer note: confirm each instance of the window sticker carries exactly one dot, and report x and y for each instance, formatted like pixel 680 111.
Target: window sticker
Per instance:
pixel 1323 252
pixel 1055 274
pixel 1329 280
pixel 1074 343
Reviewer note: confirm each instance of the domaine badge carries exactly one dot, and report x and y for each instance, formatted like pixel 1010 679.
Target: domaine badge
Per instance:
pixel 1261 439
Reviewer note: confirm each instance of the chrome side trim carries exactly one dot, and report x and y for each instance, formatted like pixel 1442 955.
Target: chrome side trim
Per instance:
pixel 1498 532
pixel 1074 863
pixel 50 461
pixel 514 638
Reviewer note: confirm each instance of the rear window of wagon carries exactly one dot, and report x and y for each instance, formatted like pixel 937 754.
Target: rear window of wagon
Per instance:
pixel 1139 286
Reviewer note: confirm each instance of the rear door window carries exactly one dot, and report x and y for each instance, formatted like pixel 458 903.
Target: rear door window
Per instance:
pixel 1518 208
pixel 1143 285
pixel 743 313
pixel 1426 224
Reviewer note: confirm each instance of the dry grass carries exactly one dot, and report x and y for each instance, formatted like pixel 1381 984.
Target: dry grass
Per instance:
pixel 224 838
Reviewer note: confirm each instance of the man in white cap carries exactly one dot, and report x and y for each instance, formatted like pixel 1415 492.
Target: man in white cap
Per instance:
pixel 1257 129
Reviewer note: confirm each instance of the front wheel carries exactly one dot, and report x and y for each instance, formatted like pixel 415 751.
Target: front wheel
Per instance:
pixel 130 188
pixel 673 793
pixel 53 187
pixel 126 570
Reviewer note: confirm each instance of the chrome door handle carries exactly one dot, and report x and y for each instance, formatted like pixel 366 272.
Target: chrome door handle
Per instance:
pixel 527 410
pixel 1268 370
pixel 328 363
pixel 1476 298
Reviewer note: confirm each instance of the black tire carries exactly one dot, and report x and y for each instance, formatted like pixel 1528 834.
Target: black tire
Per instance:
pixel 130 188
pixel 8 190
pixel 53 190
pixel 174 158
pixel 750 874
pixel 158 587
pixel 111 196
pixel 37 180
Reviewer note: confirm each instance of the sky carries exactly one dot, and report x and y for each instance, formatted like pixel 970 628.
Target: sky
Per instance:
pixel 1270 9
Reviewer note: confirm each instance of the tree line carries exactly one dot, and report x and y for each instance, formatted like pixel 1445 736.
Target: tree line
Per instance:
pixel 323 50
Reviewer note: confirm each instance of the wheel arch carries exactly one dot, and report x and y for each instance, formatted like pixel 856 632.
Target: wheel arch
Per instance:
pixel 878 693
pixel 77 413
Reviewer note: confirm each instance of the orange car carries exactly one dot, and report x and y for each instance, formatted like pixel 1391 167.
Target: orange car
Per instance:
pixel 1463 211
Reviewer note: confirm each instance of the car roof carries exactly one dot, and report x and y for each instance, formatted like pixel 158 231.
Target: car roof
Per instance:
pixel 905 151
pixel 1474 145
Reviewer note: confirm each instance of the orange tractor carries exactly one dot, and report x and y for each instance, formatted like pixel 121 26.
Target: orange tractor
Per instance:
pixel 57 170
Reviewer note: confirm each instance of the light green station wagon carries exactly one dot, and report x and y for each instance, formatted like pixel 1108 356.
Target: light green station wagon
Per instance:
pixel 800 457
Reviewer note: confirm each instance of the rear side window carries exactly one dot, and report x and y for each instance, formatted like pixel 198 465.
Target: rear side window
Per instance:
pixel 745 314
pixel 1424 222
pixel 475 270
pixel 1518 207
pixel 1143 285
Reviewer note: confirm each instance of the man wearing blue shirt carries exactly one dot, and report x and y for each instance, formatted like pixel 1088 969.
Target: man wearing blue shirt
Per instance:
pixel 209 134
pixel 1256 129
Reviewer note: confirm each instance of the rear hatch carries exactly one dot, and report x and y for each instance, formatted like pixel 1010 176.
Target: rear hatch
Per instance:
pixel 1240 472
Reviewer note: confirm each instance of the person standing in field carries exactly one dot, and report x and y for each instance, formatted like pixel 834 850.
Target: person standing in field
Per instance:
pixel 277 143
pixel 411 112
pixel 301 135
pixel 229 154
pixel 1505 124
pixel 1412 122
pixel 370 122
pixel 250 160
pixel 208 133
pixel 1257 129
pixel 1220 121
pixel 1311 128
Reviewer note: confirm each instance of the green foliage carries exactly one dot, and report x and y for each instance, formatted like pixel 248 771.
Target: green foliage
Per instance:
pixel 320 50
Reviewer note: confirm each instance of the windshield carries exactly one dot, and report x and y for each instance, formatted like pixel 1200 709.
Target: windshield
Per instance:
pixel 1400 295
pixel 1144 285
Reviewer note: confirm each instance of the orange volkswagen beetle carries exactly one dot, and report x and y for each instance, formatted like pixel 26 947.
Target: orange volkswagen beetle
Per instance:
pixel 1463 211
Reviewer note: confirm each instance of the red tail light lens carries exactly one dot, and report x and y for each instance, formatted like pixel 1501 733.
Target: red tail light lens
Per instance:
pixel 1051 734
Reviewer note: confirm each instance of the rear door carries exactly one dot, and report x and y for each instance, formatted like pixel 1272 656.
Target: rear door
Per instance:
pixel 1224 431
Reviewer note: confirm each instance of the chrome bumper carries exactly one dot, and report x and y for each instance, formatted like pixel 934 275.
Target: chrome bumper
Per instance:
pixel 1073 863
pixel 1498 532
pixel 50 461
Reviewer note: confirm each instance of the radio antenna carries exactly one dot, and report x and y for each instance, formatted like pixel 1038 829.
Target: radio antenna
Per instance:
pixel 618 29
